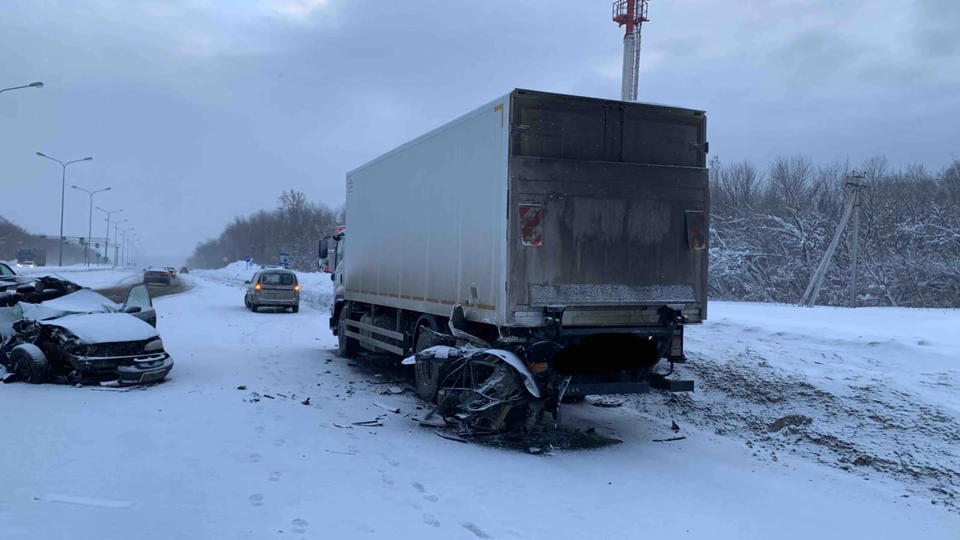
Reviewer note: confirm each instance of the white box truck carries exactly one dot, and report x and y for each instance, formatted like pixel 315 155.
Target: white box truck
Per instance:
pixel 562 237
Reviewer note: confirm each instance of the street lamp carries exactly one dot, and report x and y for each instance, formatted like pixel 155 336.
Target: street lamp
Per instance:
pixel 86 252
pixel 106 246
pixel 63 192
pixel 123 245
pixel 37 84
pixel 116 236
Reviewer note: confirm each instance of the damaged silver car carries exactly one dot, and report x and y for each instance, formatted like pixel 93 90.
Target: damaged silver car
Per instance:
pixel 61 332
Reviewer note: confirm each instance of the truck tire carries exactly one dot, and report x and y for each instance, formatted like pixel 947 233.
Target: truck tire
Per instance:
pixel 426 374
pixel 347 346
pixel 29 363
pixel 295 309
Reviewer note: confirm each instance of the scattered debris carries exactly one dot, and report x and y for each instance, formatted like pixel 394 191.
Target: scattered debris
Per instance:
pixel 341 453
pixel 674 426
pixel 268 396
pixel 394 410
pixel 282 395
pixel 670 439
pixel 393 390
pixel 451 436
pixel 369 423
pixel 431 419
pixel 342 427
pixel 242 387
pixel 535 450
pixel 110 384
pixel 306 401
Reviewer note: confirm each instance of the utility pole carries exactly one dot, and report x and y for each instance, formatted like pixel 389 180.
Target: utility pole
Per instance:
pixel 813 288
pixel 856 184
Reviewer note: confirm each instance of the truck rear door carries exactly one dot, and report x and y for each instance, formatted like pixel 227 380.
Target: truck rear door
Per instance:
pixel 608 210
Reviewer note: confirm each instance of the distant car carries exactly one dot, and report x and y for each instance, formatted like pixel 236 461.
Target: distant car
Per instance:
pixel 172 271
pixel 184 270
pixel 157 274
pixel 27 264
pixel 273 287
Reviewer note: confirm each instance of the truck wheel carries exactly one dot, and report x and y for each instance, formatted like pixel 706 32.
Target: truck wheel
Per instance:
pixel 347 346
pixel 426 374
pixel 295 309
pixel 29 363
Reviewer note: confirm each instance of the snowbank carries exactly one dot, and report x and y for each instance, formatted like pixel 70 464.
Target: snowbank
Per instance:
pixel 316 289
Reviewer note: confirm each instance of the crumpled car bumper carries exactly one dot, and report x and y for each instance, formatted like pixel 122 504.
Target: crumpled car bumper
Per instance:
pixel 137 374
pixel 142 368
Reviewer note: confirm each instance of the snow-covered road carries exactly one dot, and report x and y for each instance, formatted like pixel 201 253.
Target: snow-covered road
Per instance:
pixel 196 457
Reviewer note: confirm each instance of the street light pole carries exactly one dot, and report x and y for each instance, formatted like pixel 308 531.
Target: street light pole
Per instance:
pixel 63 193
pixel 106 246
pixel 116 236
pixel 37 84
pixel 86 251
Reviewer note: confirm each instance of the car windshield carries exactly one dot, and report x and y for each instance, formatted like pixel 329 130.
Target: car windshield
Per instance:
pixel 277 278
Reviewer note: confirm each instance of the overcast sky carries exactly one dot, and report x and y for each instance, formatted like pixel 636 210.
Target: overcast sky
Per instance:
pixel 196 111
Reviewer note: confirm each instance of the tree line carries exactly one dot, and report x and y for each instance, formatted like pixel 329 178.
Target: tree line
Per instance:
pixel 294 227
pixel 769 229
pixel 14 237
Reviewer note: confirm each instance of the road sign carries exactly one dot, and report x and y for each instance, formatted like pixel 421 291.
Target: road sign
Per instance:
pixel 97 246
pixel 284 259
pixel 225 259
pixel 248 258
pixel 98 255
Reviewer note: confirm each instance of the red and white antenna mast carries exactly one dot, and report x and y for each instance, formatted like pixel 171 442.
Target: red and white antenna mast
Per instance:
pixel 632 14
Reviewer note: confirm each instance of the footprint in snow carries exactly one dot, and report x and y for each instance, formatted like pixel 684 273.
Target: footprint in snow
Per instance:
pixel 274 476
pixel 260 429
pixel 299 526
pixel 255 458
pixel 430 519
pixel 387 479
pixel 256 499
pixel 477 531
pixel 279 442
pixel 423 491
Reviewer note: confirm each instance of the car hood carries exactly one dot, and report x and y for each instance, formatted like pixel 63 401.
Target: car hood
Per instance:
pixel 82 301
pixel 95 328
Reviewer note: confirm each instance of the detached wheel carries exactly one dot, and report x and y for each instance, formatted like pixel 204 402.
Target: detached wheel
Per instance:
pixel 347 346
pixel 29 363
pixel 426 374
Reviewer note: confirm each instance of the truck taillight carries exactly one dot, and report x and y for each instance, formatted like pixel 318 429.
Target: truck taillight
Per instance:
pixel 676 348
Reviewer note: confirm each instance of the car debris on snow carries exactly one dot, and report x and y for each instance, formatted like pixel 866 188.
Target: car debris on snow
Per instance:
pixel 305 402
pixel 671 439
pixel 394 410
pixel 242 387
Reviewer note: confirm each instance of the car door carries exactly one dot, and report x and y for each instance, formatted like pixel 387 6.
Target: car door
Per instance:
pixel 139 297
pixel 7 275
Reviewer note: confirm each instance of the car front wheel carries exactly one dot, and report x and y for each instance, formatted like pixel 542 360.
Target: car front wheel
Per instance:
pixel 29 363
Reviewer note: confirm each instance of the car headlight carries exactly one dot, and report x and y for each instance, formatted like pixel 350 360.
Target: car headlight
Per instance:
pixel 152 346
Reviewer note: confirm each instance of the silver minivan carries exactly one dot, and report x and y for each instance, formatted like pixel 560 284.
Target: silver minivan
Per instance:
pixel 275 287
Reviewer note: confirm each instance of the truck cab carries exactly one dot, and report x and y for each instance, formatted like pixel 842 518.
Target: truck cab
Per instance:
pixel 331 261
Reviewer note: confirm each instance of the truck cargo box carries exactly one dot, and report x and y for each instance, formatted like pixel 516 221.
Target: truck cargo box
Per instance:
pixel 538 202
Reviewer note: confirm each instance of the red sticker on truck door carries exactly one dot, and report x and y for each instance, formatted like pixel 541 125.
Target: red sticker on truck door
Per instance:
pixel 531 224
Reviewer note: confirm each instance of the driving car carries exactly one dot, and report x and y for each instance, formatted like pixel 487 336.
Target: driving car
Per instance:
pixel 157 274
pixel 27 264
pixel 274 287
pixel 81 336
pixel 172 271
pixel 184 270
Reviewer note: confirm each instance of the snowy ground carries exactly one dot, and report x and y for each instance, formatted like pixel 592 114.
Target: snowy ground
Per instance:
pixel 197 457
pixel 93 277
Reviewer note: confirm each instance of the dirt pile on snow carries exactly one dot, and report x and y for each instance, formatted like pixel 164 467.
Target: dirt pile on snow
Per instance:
pixel 845 403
